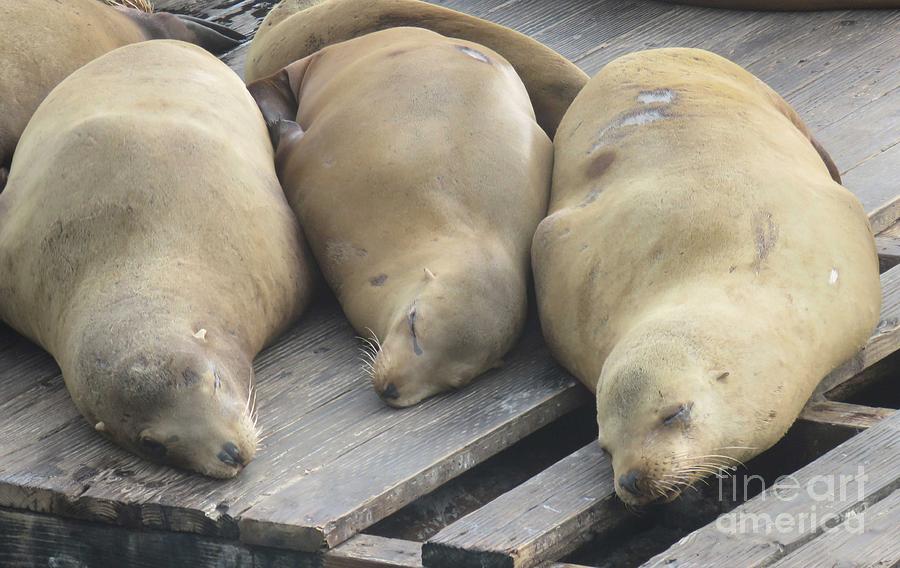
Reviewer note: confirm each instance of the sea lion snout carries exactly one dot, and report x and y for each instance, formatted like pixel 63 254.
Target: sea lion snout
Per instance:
pixel 231 455
pixel 389 392
pixel 629 482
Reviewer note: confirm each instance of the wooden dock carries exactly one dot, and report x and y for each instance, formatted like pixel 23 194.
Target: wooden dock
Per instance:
pixel 465 479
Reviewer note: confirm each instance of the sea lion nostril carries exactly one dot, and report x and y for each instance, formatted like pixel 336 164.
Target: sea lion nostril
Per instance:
pixel 390 392
pixel 230 454
pixel 629 482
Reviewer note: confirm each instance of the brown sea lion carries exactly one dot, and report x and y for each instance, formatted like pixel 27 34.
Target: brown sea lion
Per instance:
pixel 298 28
pixel 700 268
pixel 43 41
pixel 146 244
pixel 419 174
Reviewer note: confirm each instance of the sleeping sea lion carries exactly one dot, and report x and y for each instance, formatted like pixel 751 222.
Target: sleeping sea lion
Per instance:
pixel 43 41
pixel 419 174
pixel 295 29
pixel 700 269
pixel 146 244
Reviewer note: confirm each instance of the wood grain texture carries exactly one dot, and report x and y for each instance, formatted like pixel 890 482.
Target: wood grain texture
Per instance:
pixel 871 539
pixel 884 341
pixel 30 540
pixel 543 519
pixel 366 551
pixel 732 541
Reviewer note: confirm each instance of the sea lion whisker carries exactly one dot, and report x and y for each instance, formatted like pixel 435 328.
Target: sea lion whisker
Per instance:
pixel 375 339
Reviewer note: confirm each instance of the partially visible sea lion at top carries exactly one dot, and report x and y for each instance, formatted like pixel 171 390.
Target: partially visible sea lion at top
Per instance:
pixel 43 41
pixel 295 29
pixel 419 174
pixel 792 5
pixel 701 268
pixel 145 242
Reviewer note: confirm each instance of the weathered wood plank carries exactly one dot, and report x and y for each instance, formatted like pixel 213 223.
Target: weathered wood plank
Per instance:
pixel 392 468
pixel 870 539
pixel 884 219
pixel 366 551
pixel 543 519
pixel 884 341
pixel 888 252
pixel 30 540
pixel 862 471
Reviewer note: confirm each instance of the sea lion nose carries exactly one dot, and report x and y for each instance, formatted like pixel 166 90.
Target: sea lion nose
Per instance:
pixel 629 482
pixel 389 392
pixel 230 455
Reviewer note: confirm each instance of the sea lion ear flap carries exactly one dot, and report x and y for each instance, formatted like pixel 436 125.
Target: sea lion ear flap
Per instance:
pixel 215 38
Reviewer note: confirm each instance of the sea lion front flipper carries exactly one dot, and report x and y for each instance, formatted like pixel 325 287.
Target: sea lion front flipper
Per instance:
pixel 277 95
pixel 213 37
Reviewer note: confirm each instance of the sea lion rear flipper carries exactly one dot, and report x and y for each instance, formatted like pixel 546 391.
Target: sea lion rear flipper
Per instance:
pixel 277 95
pixel 213 37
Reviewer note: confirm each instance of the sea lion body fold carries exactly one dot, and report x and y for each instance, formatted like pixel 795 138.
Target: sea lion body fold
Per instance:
pixel 699 268
pixel 147 245
pixel 419 174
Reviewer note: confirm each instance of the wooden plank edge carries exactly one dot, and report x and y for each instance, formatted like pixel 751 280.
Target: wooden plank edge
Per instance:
pixel 368 551
pixel 855 542
pixel 599 512
pixel 885 215
pixel 834 414
pixel 605 514
pixel 35 539
pixel 888 252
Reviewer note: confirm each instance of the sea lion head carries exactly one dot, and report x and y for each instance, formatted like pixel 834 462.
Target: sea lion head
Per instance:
pixel 451 329
pixel 182 399
pixel 669 415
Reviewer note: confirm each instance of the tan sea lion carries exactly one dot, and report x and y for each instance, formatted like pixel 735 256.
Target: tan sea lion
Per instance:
pixel 700 269
pixel 43 41
pixel 793 5
pixel 146 244
pixel 419 175
pixel 296 29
